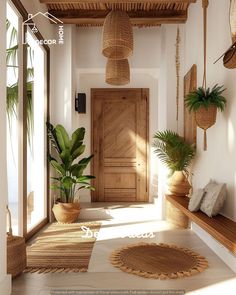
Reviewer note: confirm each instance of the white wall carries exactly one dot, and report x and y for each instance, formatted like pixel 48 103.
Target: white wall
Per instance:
pixel 219 161
pixel 90 73
pixel 167 97
pixel 152 66
pixel 62 80
pixel 146 54
pixel 5 285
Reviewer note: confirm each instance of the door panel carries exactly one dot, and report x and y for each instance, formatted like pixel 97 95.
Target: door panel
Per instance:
pixel 120 145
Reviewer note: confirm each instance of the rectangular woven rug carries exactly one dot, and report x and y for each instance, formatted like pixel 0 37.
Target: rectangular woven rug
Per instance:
pixel 61 248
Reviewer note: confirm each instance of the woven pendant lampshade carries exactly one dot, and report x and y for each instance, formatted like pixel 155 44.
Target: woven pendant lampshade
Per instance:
pixel 117 36
pixel 117 72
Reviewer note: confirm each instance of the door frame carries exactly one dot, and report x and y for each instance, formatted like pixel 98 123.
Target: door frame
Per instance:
pixel 145 93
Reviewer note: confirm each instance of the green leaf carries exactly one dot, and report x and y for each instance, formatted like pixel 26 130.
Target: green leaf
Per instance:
pixel 58 168
pixel 85 177
pixel 173 151
pixel 67 182
pixel 62 137
pixel 78 169
pixel 66 158
pixel 77 139
pixel 52 137
pixel 205 98
pixel 78 152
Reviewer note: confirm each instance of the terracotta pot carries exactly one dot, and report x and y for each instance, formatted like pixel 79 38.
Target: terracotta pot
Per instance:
pixel 178 184
pixel 66 212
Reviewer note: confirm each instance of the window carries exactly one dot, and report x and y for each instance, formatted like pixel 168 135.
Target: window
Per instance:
pixel 27 111
pixel 13 116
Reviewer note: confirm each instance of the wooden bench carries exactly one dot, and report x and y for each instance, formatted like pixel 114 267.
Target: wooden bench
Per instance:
pixel 221 228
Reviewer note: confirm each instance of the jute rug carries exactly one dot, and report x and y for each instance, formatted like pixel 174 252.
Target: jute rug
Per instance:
pixel 158 261
pixel 61 248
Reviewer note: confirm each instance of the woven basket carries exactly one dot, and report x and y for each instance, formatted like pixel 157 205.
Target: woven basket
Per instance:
pixel 16 252
pixel 117 72
pixel 230 57
pixel 205 118
pixel 117 36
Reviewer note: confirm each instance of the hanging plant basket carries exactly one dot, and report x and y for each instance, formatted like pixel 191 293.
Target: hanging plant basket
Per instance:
pixel 117 72
pixel 205 118
pixel 117 36
pixel 204 103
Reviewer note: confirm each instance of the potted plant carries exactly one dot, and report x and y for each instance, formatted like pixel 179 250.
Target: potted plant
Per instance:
pixel 177 155
pixel 204 103
pixel 70 171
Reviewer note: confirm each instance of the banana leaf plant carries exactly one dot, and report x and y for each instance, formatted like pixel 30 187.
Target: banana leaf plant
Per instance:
pixel 70 170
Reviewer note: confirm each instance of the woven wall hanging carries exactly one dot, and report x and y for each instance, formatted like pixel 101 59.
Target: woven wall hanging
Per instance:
pixel 177 65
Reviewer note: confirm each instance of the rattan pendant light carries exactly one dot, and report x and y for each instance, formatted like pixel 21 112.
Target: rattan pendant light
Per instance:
pixel 117 35
pixel 117 72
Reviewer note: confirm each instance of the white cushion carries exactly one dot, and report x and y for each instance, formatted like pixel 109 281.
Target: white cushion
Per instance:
pixel 214 198
pixel 196 200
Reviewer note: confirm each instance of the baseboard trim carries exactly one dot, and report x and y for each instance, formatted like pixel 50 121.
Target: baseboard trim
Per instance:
pixel 224 254
pixel 5 285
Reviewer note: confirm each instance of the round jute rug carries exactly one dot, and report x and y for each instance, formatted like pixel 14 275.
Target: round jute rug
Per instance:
pixel 158 261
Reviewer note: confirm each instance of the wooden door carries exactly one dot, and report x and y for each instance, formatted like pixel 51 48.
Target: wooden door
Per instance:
pixel 120 145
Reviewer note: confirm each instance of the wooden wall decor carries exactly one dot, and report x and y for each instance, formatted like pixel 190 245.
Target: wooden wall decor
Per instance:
pixel 190 125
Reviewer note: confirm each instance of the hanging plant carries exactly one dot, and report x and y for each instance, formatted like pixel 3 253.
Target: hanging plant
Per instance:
pixel 204 103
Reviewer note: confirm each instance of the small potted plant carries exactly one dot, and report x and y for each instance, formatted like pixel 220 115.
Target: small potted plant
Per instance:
pixel 204 103
pixel 177 155
pixel 70 179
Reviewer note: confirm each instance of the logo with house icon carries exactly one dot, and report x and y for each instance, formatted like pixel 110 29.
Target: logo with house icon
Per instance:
pixel 30 24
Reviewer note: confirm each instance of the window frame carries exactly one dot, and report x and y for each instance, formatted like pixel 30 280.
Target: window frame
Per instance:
pixel 23 15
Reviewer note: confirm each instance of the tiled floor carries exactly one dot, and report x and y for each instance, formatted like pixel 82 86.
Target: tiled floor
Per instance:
pixel 217 279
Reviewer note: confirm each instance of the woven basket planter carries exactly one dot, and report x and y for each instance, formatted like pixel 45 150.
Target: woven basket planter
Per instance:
pixel 178 184
pixel 16 251
pixel 66 212
pixel 117 36
pixel 205 118
pixel 16 255
pixel 117 72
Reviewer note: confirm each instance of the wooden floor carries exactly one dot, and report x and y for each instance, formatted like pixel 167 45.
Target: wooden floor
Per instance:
pixel 102 275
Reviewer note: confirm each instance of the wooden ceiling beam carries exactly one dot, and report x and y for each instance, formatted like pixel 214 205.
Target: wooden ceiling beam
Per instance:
pixel 139 22
pixel 95 14
pixel 134 21
pixel 114 1
pixel 137 18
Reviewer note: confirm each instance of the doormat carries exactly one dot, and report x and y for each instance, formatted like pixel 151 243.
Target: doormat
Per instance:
pixel 158 261
pixel 62 248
